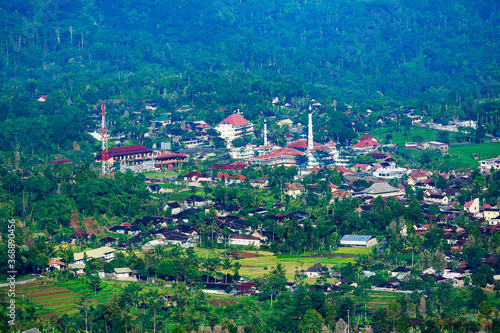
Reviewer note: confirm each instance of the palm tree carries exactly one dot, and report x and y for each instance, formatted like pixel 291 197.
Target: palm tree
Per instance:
pixel 216 262
pixel 227 264
pixel 207 265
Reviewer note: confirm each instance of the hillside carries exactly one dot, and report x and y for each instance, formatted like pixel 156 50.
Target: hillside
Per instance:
pixel 441 59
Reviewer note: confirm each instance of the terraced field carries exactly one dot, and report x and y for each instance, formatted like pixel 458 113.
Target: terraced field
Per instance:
pixel 59 298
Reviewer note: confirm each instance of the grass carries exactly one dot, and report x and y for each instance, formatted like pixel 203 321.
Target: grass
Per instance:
pixel 401 137
pixel 464 152
pixel 159 175
pixel 260 266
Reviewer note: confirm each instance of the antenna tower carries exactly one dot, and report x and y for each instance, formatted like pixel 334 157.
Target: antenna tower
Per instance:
pixel 105 155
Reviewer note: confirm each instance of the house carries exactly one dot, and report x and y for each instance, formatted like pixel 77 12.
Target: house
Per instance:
pixel 364 147
pixel 439 145
pixel 155 188
pixel 294 190
pixel 490 213
pixel 234 127
pixel 358 240
pixel 359 167
pixel 175 206
pixel 105 253
pixel 124 274
pixel 193 176
pixel 31 330
pixel 77 269
pixel 401 270
pixel 439 199
pixel 368 138
pixel 170 159
pixel 283 156
pixel 472 206
pixel 56 263
pixel 244 240
pixel 107 241
pixel 129 155
pixel 260 182
pixel 383 190
pixel 196 201
pixel 388 171
pixel 415 119
pixel 41 98
pixel 487 165
pixel 161 121
pixel 423 145
pixel 79 235
pixel 317 270
pixel 177 238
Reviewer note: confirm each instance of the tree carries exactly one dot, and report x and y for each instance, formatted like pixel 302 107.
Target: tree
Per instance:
pixel 422 307
pixel 484 275
pixel 312 322
pixel 276 282
pixel 341 326
pixel 95 282
pixel 227 264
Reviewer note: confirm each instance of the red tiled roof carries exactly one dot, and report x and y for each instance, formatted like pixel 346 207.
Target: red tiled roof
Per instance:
pixel 366 138
pixel 221 175
pixel 300 144
pixel 361 166
pixel 128 150
pixel 365 143
pixel 193 174
pixel 281 152
pixel 169 156
pixel 235 120
pixel 343 170
pixel 469 203
pixel 238 177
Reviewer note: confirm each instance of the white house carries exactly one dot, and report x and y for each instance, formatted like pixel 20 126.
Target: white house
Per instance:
pixel 486 165
pixel 124 273
pixel 245 240
pixel 358 241
pixel 472 206
pixel 234 127
pixel 105 253
pixel 294 190
pixel 316 270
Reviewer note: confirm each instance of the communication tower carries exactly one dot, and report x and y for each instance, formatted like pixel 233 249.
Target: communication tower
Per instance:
pixel 105 155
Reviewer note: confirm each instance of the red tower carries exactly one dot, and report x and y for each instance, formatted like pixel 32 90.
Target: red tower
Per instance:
pixel 105 155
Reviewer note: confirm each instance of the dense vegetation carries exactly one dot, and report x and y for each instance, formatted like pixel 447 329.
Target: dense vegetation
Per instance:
pixel 441 59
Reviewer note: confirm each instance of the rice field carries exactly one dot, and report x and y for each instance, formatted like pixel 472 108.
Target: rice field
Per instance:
pixel 259 266
pixel 59 298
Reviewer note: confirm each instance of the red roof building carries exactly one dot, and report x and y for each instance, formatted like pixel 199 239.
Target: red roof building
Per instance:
pixel 367 138
pixel 282 156
pixel 301 144
pixel 234 127
pixel 128 154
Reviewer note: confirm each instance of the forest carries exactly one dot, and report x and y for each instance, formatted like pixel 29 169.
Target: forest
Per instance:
pixel 439 58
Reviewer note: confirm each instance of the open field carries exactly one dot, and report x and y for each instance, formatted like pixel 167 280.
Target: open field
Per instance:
pixel 377 300
pixel 50 297
pixel 261 265
pixel 464 152
pixel 401 137
pixel 159 175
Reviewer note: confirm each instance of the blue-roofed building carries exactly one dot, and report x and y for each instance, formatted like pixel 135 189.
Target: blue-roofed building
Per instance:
pixel 358 241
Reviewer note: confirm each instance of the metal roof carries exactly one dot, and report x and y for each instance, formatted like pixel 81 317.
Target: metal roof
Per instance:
pixel 356 238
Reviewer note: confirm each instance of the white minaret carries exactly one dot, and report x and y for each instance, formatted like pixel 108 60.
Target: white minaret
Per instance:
pixel 265 132
pixel 310 145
